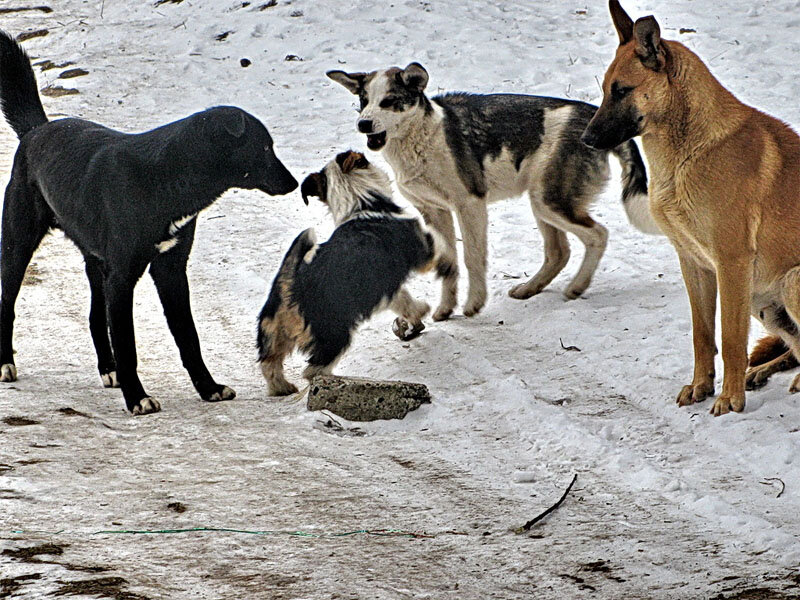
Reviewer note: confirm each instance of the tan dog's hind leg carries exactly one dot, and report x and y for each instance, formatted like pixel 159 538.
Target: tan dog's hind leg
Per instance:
pixel 757 376
pixel 556 256
pixel 791 300
pixel 701 285
pixel 442 221
pixel 473 219
pixel 735 290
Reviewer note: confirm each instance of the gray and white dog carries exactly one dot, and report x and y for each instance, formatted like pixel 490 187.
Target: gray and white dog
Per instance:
pixel 458 152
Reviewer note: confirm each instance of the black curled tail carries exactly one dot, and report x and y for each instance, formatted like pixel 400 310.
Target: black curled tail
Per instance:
pixel 19 94
pixel 634 188
pixel 300 247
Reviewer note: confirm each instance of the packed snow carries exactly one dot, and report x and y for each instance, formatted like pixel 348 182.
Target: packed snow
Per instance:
pixel 669 503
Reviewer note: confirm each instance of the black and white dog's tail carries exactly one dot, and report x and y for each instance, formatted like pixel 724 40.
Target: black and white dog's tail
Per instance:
pixel 301 246
pixel 634 188
pixel 19 94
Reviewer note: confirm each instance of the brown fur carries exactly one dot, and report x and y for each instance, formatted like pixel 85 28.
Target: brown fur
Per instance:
pixel 767 349
pixel 725 188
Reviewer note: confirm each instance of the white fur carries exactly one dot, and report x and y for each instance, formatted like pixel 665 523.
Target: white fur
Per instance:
pixel 346 191
pixel 174 227
pixel 110 380
pixel 146 406
pixel 8 373
pixel 638 210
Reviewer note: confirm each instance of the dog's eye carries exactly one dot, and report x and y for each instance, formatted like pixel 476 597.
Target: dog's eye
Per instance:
pixel 388 102
pixel 618 92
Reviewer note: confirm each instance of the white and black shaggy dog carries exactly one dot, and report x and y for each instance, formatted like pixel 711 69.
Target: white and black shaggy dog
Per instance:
pixel 458 152
pixel 323 292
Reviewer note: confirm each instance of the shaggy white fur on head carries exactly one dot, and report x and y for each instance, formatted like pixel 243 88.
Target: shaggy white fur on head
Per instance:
pixel 346 191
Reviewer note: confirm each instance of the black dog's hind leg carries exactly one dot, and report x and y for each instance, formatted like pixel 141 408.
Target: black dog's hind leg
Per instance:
pixel 118 284
pixel 98 324
pixel 26 219
pixel 168 271
pixel 325 352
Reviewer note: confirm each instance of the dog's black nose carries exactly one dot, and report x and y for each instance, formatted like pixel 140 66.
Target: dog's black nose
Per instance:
pixel 365 125
pixel 589 138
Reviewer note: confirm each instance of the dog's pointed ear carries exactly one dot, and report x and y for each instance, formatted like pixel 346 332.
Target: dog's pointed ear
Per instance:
pixel 234 123
pixel 352 81
pixel 649 47
pixel 414 76
pixel 354 160
pixel 315 184
pixel 622 22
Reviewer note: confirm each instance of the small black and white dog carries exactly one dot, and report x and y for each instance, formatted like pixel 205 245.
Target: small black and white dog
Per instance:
pixel 127 201
pixel 323 292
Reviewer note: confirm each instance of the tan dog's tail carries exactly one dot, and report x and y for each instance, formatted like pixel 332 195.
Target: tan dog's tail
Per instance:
pixel 634 188
pixel 767 349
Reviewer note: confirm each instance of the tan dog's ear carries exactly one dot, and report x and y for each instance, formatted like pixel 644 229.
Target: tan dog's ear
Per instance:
pixel 622 22
pixel 352 81
pixel 354 160
pixel 649 47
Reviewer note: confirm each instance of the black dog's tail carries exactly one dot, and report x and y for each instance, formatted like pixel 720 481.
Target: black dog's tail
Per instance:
pixel 19 94
pixel 634 188
pixel 301 246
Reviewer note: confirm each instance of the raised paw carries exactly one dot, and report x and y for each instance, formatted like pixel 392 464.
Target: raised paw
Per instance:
pixel 109 379
pixel 223 393
pixel 8 373
pixel 406 330
pixel 725 404
pixel 145 406
pixel 692 394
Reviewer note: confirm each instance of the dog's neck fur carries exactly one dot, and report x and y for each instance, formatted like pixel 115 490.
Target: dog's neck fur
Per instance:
pixel 359 193
pixel 700 113
pixel 413 139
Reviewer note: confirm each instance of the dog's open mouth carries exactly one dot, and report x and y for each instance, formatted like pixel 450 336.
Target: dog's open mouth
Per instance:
pixel 376 141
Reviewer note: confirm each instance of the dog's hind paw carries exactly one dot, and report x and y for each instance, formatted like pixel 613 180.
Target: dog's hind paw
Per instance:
pixel 8 373
pixel 109 379
pixel 145 406
pixel 406 330
pixel 281 388
pixel 224 393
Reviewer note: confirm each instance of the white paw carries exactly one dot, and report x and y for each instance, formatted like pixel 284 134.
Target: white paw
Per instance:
pixel 8 373
pixel 225 393
pixel 406 330
pixel 145 406
pixel 110 380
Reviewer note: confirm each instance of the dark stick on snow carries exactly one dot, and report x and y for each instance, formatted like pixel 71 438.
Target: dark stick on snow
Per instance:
pixel 568 348
pixel 769 480
pixel 538 518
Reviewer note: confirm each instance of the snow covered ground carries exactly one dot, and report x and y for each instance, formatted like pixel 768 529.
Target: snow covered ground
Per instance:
pixel 669 502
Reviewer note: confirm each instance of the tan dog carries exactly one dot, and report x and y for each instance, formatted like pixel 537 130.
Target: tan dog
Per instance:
pixel 725 189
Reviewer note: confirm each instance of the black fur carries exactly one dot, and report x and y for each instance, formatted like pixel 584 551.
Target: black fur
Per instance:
pixel 317 301
pixel 364 263
pixel 116 196
pixel 482 125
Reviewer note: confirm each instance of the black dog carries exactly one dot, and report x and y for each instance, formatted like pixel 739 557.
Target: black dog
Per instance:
pixel 322 293
pixel 127 201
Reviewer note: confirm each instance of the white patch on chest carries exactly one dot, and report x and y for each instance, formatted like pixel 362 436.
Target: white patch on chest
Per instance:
pixel 174 227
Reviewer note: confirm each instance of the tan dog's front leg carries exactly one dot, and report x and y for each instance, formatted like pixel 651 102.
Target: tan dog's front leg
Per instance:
pixel 735 285
pixel 701 285
pixel 473 220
